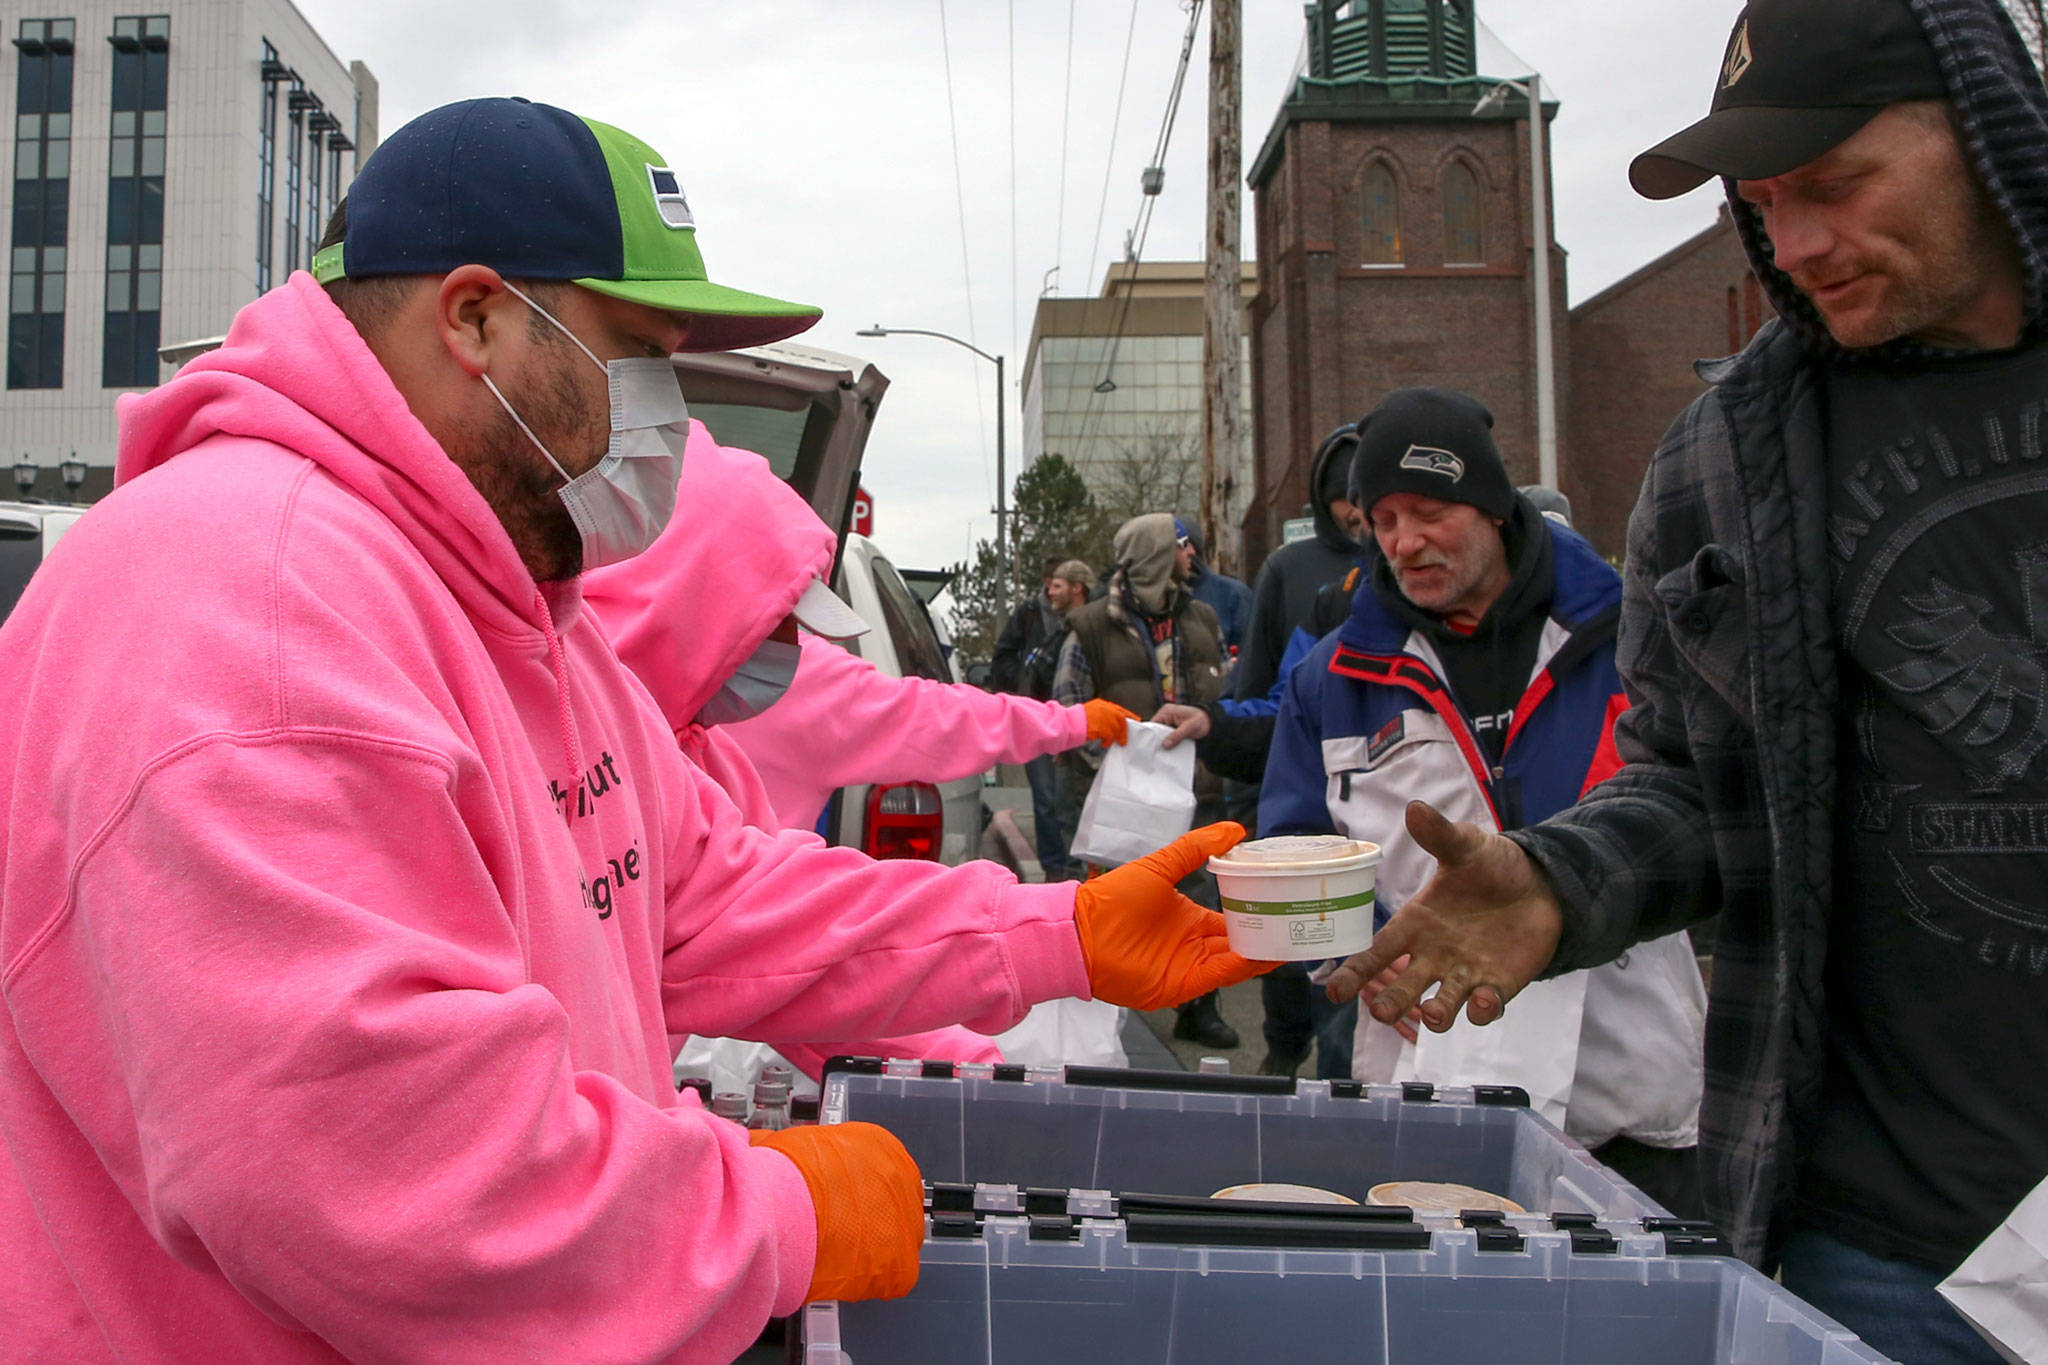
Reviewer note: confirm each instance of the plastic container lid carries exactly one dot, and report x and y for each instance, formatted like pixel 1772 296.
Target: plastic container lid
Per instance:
pixel 1296 853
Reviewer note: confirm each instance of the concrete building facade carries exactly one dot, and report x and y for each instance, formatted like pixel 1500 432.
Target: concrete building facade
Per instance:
pixel 1394 244
pixel 171 161
pixel 1114 382
pixel 1633 346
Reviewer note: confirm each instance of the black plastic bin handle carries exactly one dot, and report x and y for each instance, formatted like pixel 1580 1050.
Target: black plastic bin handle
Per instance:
pixel 1277 1231
pixel 1253 1208
pixel 1116 1078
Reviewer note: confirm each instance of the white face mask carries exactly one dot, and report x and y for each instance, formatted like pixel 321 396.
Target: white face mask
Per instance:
pixel 757 684
pixel 622 503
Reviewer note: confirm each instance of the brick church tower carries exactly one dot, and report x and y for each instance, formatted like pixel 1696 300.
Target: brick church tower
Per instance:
pixel 1394 243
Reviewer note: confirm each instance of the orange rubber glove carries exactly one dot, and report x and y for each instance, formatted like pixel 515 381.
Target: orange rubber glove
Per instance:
pixel 1146 945
pixel 869 1200
pixel 1107 721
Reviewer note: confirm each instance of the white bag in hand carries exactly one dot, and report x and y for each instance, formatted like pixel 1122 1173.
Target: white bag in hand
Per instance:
pixel 2003 1288
pixel 1142 800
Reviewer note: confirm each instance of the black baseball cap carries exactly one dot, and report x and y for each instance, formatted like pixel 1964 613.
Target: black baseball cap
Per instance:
pixel 539 193
pixel 1799 78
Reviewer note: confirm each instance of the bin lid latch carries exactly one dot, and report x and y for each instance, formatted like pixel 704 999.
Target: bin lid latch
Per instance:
pixel 1506 1096
pixel 1048 1227
pixel 1690 1237
pixel 963 1226
pixel 1593 1242
pixel 1500 1238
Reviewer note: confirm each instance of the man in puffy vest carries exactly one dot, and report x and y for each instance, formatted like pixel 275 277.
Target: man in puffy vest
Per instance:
pixel 1146 642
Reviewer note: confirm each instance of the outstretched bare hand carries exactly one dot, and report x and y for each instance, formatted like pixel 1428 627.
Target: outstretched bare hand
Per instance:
pixel 1482 929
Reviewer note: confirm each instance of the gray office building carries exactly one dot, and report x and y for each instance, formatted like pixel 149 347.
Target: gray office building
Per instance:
pixel 169 166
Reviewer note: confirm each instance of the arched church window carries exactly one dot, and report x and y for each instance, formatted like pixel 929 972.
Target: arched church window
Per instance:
pixel 1382 215
pixel 1464 237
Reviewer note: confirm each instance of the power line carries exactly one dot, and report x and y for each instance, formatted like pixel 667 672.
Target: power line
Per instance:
pixel 1059 238
pixel 966 270
pixel 1141 229
pixel 1109 162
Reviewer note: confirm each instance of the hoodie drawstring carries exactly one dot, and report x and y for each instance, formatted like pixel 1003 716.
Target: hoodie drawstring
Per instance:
pixel 563 714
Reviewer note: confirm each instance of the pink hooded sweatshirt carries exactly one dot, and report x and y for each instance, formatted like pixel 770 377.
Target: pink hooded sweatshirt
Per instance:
pixel 351 889
pixel 888 729
pixel 726 572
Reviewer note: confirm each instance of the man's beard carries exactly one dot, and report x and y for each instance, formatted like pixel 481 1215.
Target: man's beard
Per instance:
pixel 1452 588
pixel 522 488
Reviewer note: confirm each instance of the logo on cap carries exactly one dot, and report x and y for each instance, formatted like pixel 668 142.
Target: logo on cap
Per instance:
pixel 668 198
pixel 1739 59
pixel 1434 461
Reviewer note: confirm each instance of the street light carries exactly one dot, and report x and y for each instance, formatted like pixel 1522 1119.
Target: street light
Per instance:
pixel 1546 377
pixel 72 471
pixel 25 473
pixel 1002 487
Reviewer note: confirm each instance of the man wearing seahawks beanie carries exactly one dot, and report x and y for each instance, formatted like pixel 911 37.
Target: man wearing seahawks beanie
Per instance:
pixel 1479 621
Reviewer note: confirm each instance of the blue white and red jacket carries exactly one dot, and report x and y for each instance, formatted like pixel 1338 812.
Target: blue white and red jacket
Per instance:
pixel 1368 724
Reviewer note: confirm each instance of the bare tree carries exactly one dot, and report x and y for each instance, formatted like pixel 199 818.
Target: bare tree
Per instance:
pixel 2032 18
pixel 1159 470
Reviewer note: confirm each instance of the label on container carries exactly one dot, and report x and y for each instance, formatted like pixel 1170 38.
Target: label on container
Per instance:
pixel 1306 933
pixel 1326 906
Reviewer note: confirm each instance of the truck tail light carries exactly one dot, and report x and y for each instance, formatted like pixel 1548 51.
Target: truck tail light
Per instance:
pixel 905 820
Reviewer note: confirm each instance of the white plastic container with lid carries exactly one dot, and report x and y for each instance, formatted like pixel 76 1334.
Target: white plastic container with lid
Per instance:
pixel 1298 898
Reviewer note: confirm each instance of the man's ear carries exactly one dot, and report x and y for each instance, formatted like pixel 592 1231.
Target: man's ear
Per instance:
pixel 474 313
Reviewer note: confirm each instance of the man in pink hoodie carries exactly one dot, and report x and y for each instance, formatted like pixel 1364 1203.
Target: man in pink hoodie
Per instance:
pixel 352 887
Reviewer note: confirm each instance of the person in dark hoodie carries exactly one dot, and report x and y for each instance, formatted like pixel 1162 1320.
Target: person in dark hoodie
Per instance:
pixel 1228 597
pixel 1832 635
pixel 1285 591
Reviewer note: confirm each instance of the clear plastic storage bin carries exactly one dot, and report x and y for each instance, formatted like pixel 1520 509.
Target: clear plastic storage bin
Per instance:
pixel 1069 1223
pixel 1188 1133
pixel 1014 1294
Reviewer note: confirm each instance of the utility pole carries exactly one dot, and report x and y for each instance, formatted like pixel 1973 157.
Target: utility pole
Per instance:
pixel 1223 327
pixel 1004 550
pixel 1539 260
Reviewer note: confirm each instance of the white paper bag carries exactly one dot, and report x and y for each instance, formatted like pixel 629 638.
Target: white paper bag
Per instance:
pixel 1534 1045
pixel 2003 1288
pixel 1142 800
pixel 1067 1033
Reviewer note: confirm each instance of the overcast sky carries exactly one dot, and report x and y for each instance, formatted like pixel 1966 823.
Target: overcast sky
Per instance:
pixel 813 139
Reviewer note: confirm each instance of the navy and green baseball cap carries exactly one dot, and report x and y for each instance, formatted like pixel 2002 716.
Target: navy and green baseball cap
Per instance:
pixel 536 192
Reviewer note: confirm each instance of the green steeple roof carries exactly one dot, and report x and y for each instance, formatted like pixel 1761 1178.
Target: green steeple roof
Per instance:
pixel 1388 61
pixel 1380 40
